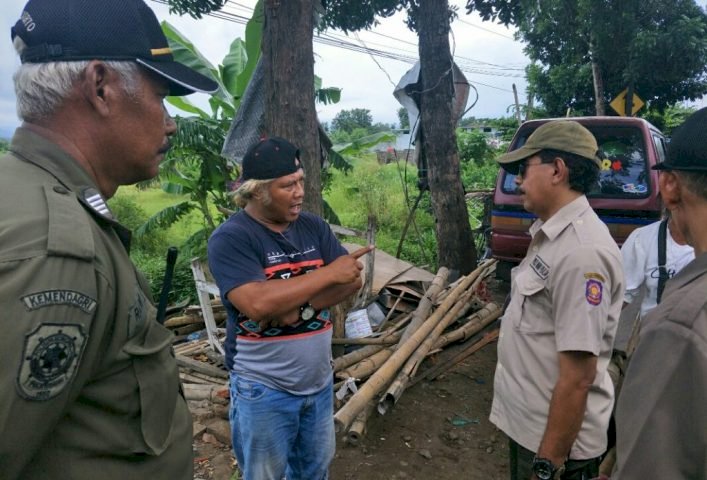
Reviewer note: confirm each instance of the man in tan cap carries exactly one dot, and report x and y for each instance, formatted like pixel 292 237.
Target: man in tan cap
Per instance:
pixel 552 393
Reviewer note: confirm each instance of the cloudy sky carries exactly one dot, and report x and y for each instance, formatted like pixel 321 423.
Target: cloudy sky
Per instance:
pixel 489 56
pixel 487 53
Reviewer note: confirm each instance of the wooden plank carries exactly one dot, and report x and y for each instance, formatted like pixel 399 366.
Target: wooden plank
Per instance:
pixel 197 366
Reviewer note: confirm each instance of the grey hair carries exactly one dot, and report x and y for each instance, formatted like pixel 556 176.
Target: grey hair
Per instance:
pixel 249 189
pixel 41 87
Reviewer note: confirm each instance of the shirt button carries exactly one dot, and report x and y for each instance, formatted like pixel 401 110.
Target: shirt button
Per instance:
pixel 61 190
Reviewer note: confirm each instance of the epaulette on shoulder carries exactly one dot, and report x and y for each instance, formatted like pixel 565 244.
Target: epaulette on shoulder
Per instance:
pixel 69 233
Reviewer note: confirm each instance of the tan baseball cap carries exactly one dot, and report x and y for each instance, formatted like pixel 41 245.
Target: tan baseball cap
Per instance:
pixel 561 135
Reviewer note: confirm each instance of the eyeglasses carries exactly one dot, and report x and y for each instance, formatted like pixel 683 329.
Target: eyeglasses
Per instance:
pixel 523 167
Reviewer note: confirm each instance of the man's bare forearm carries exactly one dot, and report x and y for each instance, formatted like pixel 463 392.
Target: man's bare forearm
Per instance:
pixel 568 405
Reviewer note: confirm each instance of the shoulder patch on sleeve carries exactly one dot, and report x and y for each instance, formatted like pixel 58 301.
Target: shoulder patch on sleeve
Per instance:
pixel 594 290
pixel 69 233
pixel 50 359
pixel 595 276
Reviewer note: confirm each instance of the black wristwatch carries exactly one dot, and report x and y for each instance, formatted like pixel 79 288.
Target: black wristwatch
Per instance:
pixel 544 469
pixel 307 311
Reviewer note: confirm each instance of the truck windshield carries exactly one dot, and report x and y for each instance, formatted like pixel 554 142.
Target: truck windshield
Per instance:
pixel 624 169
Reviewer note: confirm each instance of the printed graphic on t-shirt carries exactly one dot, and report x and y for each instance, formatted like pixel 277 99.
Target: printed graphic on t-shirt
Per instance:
pixel 250 330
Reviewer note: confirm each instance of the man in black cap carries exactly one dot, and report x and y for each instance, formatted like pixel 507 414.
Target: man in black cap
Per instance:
pixel 661 420
pixel 89 386
pixel 279 269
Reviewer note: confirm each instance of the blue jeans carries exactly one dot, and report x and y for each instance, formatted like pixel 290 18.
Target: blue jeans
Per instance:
pixel 278 435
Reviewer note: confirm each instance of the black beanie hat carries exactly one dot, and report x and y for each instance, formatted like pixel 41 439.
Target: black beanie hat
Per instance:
pixel 270 158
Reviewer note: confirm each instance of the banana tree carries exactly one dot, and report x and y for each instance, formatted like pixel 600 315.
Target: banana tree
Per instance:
pixel 195 166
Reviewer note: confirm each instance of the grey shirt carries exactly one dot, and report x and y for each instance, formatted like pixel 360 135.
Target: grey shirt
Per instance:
pixel 662 410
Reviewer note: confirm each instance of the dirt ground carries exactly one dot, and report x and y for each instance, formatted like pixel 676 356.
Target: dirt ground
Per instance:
pixel 439 429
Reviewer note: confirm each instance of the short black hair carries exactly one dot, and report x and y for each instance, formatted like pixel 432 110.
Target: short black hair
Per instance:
pixel 584 173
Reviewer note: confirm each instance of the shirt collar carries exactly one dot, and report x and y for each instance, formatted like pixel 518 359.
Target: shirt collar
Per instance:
pixel 561 219
pixel 688 274
pixel 36 149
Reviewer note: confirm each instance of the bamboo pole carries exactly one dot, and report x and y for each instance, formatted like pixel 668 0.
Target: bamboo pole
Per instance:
pixel 367 366
pixel 423 308
pixel 191 347
pixel 398 386
pixel 468 351
pixel 202 367
pixel 387 340
pixel 380 379
pixel 364 294
pixel 356 356
pixel 477 322
pixel 174 322
pixel 358 427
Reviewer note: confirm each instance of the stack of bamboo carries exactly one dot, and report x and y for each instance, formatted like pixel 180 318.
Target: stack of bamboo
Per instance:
pixel 382 370
pixel 191 319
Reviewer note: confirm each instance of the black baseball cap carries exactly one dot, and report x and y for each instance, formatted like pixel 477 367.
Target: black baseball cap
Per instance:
pixel 127 30
pixel 270 158
pixel 687 149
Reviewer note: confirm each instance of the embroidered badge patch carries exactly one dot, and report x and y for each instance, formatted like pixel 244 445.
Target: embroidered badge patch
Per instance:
pixel 595 275
pixel 593 291
pixel 540 267
pixel 49 360
pixel 48 298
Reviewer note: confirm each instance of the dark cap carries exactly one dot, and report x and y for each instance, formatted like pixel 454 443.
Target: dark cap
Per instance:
pixel 270 158
pixel 127 30
pixel 687 149
pixel 561 135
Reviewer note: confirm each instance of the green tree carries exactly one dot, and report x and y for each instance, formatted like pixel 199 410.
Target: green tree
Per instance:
pixel 348 120
pixel 431 20
pixel 403 117
pixel 587 51
pixel 194 166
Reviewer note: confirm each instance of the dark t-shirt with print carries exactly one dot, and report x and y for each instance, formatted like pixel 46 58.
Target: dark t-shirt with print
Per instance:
pixel 294 358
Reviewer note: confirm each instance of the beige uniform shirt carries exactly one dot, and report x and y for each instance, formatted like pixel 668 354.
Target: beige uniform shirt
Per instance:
pixel 89 387
pixel 566 295
pixel 661 417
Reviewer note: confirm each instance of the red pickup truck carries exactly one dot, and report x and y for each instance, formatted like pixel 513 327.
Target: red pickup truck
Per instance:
pixel 626 197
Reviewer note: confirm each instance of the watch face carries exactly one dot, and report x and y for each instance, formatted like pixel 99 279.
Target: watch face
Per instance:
pixel 308 312
pixel 543 469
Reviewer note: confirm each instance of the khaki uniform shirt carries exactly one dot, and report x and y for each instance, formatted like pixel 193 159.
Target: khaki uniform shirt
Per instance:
pixel 661 417
pixel 89 387
pixel 566 295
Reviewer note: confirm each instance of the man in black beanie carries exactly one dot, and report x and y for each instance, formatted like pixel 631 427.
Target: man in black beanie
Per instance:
pixel 661 419
pixel 278 270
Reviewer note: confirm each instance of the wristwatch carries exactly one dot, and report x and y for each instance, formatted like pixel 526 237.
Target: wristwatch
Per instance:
pixel 307 311
pixel 544 469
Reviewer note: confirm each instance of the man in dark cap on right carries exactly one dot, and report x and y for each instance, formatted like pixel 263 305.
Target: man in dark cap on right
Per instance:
pixel 89 386
pixel 661 419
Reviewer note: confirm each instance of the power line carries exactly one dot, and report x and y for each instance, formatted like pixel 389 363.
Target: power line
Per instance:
pixel 485 29
pixel 326 39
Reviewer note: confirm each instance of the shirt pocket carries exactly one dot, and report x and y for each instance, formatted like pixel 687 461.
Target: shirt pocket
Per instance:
pixel 535 309
pixel 158 383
